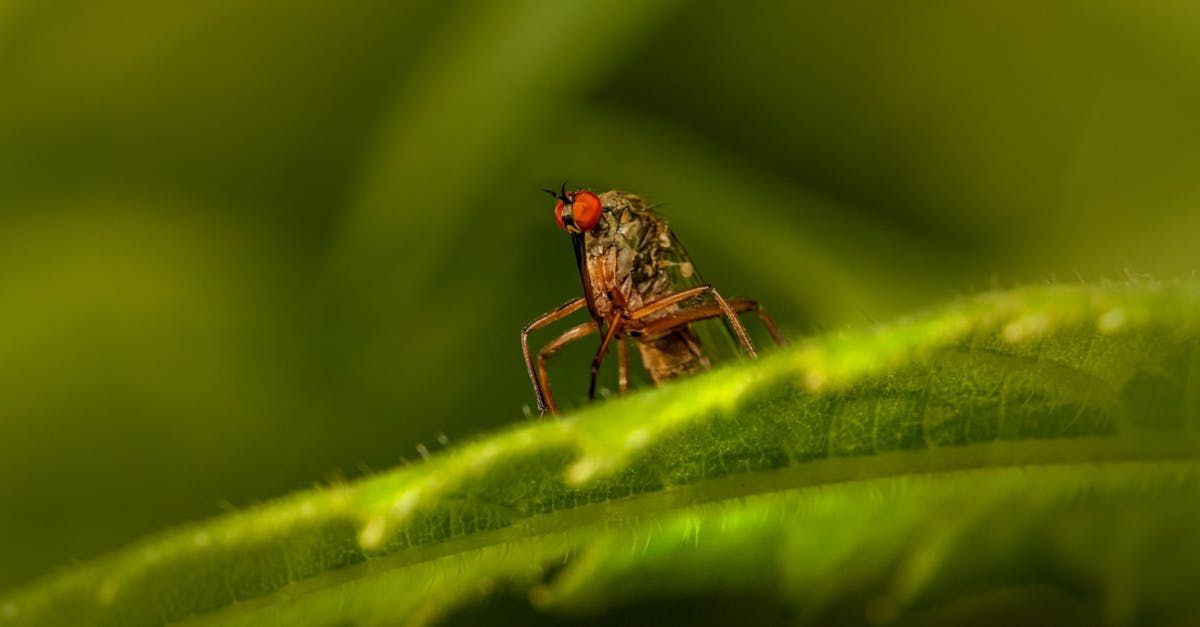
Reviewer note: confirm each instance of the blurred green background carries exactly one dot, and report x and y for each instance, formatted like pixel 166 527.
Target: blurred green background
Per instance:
pixel 249 246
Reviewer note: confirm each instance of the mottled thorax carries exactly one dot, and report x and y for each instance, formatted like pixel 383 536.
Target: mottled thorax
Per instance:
pixel 630 260
pixel 626 257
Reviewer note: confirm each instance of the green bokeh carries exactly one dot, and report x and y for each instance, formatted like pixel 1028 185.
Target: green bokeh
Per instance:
pixel 247 246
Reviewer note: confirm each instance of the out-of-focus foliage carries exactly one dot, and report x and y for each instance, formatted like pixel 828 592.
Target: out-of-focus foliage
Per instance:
pixel 826 482
pixel 244 245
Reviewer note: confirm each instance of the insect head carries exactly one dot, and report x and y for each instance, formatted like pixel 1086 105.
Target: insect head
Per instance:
pixel 576 212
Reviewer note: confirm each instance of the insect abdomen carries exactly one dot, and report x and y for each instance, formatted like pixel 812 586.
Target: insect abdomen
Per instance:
pixel 673 354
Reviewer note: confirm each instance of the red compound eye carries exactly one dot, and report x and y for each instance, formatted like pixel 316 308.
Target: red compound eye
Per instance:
pixel 558 207
pixel 585 209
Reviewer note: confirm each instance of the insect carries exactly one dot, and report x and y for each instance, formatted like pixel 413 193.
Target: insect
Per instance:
pixel 638 283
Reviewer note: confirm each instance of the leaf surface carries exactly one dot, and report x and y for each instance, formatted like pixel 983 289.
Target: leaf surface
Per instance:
pixel 1039 443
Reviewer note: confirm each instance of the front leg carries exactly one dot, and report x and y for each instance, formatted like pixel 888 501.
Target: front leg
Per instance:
pixel 613 327
pixel 548 351
pixel 561 312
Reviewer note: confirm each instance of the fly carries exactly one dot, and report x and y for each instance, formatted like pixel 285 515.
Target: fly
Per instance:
pixel 638 283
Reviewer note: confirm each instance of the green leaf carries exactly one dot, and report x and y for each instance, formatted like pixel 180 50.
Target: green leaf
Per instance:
pixel 1033 448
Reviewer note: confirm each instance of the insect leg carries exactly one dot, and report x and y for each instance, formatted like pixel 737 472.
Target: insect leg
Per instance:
pixel 544 355
pixel 561 312
pixel 613 327
pixel 667 301
pixel 745 304
pixel 622 366
pixel 678 297
pixel 687 316
pixel 705 312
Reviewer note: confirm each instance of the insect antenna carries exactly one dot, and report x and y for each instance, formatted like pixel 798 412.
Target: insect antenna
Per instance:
pixel 561 194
